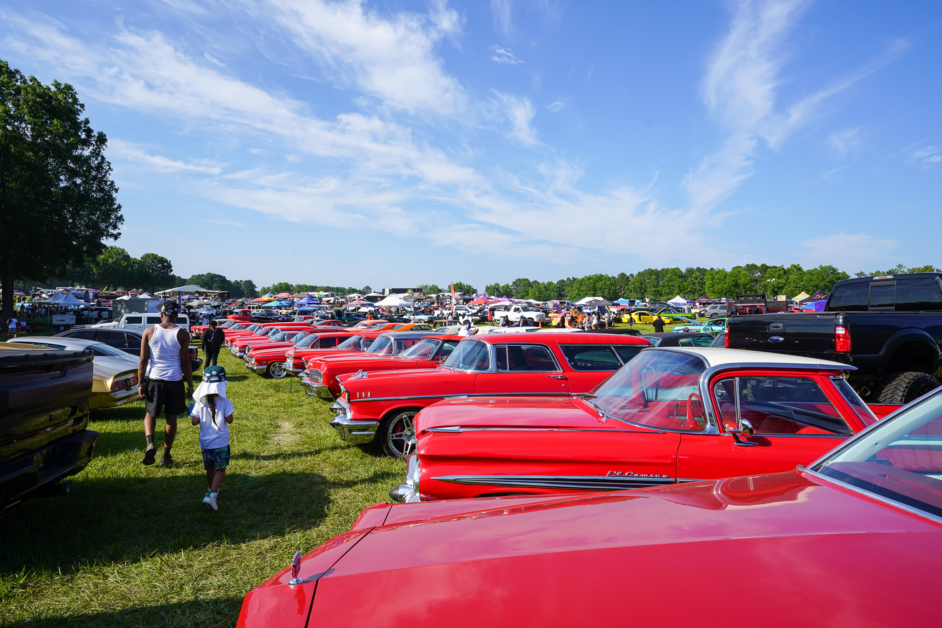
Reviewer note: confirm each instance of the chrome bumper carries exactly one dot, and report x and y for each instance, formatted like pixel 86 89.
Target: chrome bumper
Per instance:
pixel 320 390
pixel 255 367
pixel 408 493
pixel 349 431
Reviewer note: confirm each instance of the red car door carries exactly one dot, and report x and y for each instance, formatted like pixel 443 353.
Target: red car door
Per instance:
pixel 794 421
pixel 523 369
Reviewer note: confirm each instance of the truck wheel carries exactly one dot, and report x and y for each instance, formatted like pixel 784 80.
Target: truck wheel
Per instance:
pixel 276 370
pixel 901 388
pixel 396 433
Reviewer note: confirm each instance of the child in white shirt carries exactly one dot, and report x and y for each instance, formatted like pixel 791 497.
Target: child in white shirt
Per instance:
pixel 213 412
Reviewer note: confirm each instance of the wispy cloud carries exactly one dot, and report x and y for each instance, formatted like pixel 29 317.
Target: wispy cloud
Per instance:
pixel 132 152
pixel 557 106
pixel 519 112
pixel 926 157
pixel 740 91
pixel 394 59
pixel 503 55
pixel 842 142
pixel 502 18
pixel 850 252
pixel 228 223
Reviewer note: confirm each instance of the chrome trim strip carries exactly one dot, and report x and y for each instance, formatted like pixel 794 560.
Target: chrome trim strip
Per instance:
pixel 874 496
pixel 571 482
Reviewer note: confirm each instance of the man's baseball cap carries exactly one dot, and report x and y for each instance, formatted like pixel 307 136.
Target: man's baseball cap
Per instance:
pixel 170 307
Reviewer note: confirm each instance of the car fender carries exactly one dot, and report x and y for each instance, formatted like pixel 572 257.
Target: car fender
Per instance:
pixel 904 336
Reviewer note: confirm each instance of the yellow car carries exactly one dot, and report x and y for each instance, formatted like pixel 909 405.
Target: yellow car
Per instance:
pixel 646 318
pixel 115 379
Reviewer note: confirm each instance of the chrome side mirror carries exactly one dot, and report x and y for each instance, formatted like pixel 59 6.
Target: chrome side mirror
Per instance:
pixel 745 427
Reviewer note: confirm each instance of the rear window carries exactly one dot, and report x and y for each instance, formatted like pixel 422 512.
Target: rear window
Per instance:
pixel 913 295
pixel 591 357
pixel 850 297
pixel 882 295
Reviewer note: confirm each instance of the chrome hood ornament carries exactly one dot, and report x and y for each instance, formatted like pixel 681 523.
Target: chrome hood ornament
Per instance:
pixel 295 569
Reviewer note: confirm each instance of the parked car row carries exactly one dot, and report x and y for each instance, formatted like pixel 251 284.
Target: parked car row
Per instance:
pixel 545 466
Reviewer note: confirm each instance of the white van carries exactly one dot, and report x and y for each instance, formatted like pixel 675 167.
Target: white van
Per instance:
pixel 140 321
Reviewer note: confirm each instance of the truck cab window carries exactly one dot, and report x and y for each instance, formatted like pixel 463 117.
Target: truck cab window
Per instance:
pixel 914 295
pixel 850 297
pixel 882 295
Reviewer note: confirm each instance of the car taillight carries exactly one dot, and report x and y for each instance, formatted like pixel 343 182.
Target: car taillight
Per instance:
pixel 118 385
pixel 841 339
pixel 726 337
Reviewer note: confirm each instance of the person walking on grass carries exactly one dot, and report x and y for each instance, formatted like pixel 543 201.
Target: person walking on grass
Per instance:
pixel 213 412
pixel 12 326
pixel 212 341
pixel 164 364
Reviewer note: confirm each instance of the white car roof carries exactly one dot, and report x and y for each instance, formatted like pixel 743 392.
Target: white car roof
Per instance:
pixel 719 356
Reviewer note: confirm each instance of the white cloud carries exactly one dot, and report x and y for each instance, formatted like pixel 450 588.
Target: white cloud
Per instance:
pixel 131 152
pixel 740 91
pixel 926 157
pixel 503 55
pixel 447 20
pixel 850 252
pixel 393 60
pixel 842 142
pixel 502 19
pixel 557 106
pixel 519 111
pixel 227 223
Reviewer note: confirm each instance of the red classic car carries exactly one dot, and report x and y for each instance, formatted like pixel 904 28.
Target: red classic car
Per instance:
pixel 385 354
pixel 553 363
pixel 670 415
pixel 272 336
pixel 196 331
pixel 854 540
pixel 347 340
pixel 273 360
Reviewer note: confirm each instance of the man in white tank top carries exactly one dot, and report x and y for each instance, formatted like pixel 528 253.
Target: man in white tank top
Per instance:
pixel 164 364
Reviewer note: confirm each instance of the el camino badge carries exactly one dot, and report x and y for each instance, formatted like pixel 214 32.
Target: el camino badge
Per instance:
pixel 776 339
pixel 632 474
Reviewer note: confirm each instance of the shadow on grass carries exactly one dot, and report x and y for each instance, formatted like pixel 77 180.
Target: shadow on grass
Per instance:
pixel 203 613
pixel 125 519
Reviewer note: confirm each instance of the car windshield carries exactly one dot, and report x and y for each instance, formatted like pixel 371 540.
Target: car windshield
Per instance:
pixel 469 356
pixel 278 337
pixel 382 346
pixel 352 343
pixel 422 350
pixel 307 341
pixel 103 349
pixel 654 390
pixel 898 460
pixel 863 412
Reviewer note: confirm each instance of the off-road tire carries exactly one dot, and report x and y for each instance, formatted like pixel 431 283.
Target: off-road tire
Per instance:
pixel 901 388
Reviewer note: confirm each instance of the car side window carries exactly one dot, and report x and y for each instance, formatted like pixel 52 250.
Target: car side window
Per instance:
pixel 134 320
pixel 82 334
pixel 850 297
pixel 696 341
pixel 153 320
pixel 779 405
pixel 524 358
pixel 446 349
pixel 115 339
pixel 627 352
pixel 325 343
pixel 591 357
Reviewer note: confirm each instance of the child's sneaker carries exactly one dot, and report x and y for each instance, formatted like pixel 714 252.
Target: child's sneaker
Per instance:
pixel 209 502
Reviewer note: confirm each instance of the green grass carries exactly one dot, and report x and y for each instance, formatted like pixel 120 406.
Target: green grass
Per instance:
pixel 132 545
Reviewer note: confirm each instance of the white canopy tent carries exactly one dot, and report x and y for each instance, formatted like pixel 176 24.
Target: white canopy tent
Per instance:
pixel 678 300
pixel 395 300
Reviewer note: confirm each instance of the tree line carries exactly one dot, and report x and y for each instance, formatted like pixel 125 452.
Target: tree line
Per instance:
pixel 666 283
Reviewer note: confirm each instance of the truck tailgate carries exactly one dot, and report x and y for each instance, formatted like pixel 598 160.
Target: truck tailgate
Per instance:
pixel 796 334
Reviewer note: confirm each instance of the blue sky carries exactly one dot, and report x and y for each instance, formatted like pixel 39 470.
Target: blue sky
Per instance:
pixel 398 143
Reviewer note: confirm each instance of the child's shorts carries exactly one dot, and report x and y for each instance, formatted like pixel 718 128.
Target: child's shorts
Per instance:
pixel 217 459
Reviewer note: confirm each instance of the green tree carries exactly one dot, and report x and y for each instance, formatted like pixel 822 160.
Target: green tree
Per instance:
pixel 154 272
pixel 115 268
pixel 520 288
pixel 463 287
pixel 249 291
pixel 430 288
pixel 57 199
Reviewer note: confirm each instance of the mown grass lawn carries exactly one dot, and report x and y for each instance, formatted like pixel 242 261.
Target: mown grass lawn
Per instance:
pixel 133 546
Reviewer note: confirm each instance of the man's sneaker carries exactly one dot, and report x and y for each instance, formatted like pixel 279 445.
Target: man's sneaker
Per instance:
pixel 166 460
pixel 149 455
pixel 209 502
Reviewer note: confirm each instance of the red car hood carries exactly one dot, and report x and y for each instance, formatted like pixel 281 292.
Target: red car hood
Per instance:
pixel 516 411
pixel 410 382
pixel 800 552
pixel 365 359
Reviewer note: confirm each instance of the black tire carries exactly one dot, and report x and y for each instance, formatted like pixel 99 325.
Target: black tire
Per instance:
pixel 901 388
pixel 396 434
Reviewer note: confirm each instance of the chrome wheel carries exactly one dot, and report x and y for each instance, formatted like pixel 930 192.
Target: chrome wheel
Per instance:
pixel 276 370
pixel 399 434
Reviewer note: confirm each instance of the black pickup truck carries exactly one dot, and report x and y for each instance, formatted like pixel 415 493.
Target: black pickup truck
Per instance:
pixel 889 327
pixel 44 435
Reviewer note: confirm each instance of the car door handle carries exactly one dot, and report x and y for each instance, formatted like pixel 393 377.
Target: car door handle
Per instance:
pixel 559 377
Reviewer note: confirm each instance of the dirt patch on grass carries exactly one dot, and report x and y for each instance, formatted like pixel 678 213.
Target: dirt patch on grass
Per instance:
pixel 285 434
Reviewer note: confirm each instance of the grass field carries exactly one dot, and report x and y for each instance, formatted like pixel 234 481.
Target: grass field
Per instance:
pixel 133 546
